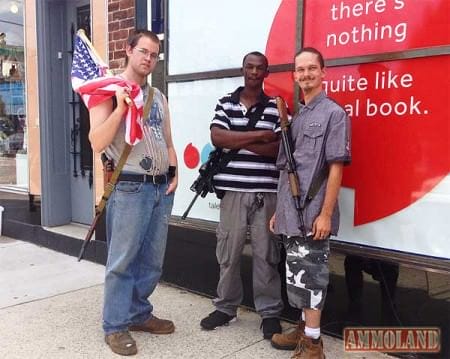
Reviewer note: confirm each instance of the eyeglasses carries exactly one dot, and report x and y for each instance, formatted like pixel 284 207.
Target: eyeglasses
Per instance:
pixel 147 54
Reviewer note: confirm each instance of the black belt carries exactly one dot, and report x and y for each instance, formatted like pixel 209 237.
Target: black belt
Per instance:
pixel 158 179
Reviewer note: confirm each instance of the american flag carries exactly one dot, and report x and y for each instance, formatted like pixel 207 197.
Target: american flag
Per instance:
pixel 90 79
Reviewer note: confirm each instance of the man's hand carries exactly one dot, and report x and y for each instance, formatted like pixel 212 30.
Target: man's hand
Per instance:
pixel 321 227
pixel 172 185
pixel 268 136
pixel 122 94
pixel 272 223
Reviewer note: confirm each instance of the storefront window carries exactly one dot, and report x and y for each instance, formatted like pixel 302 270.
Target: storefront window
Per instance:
pixel 13 131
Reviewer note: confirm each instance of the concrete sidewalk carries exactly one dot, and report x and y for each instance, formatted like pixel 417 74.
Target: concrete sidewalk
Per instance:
pixel 50 307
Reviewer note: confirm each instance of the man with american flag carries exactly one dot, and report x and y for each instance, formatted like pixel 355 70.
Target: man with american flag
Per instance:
pixel 90 81
pixel 139 207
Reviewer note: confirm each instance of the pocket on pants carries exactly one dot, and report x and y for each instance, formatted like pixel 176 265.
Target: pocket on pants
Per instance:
pixel 273 255
pixel 129 187
pixel 319 251
pixel 264 244
pixel 222 250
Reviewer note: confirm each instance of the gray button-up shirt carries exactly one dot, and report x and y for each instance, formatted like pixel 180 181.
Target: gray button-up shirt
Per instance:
pixel 321 135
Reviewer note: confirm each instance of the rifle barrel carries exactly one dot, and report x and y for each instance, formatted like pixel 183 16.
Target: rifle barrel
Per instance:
pixel 88 237
pixel 185 214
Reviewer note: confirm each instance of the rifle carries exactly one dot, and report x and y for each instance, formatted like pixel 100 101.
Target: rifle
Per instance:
pixel 109 188
pixel 294 182
pixel 204 182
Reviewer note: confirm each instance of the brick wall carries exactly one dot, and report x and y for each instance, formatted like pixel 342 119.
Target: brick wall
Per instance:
pixel 121 21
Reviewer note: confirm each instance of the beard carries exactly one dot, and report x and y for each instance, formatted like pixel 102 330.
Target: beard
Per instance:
pixel 307 84
pixel 306 88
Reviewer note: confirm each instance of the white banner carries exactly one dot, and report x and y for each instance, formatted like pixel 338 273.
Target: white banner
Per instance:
pixel 208 35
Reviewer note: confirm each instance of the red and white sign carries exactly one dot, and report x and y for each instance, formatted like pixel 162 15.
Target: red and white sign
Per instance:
pixel 400 133
pixel 396 192
pixel 399 124
pixel 342 28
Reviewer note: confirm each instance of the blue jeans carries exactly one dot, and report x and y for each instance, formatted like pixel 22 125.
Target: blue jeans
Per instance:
pixel 137 222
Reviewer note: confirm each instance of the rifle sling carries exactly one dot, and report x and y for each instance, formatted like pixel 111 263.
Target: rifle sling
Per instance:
pixel 317 180
pixel 109 188
pixel 316 184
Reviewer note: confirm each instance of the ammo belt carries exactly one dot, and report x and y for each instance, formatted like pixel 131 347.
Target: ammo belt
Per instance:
pixel 158 179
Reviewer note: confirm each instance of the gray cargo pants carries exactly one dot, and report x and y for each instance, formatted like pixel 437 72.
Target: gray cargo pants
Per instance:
pixel 237 211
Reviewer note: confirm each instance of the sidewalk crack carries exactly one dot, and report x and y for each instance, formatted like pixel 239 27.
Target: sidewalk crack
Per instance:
pixel 241 349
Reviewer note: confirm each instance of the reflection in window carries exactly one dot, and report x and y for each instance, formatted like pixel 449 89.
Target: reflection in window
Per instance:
pixel 13 143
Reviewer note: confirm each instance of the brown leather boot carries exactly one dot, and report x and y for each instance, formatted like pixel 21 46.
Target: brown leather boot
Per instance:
pixel 121 343
pixel 154 325
pixel 308 349
pixel 288 340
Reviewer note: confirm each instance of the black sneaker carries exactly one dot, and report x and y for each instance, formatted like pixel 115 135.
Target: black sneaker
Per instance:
pixel 216 319
pixel 270 326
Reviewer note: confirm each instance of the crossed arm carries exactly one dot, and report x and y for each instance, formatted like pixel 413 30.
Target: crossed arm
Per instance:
pixel 261 142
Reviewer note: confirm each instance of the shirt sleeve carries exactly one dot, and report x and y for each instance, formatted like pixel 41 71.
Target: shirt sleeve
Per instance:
pixel 337 148
pixel 221 118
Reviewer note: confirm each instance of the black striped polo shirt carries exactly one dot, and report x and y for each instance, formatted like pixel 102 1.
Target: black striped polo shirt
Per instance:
pixel 247 171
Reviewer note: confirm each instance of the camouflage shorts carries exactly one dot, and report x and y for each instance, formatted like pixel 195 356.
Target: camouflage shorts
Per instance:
pixel 306 271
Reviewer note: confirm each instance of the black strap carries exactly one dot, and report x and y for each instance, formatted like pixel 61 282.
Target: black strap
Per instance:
pixel 316 184
pixel 255 116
